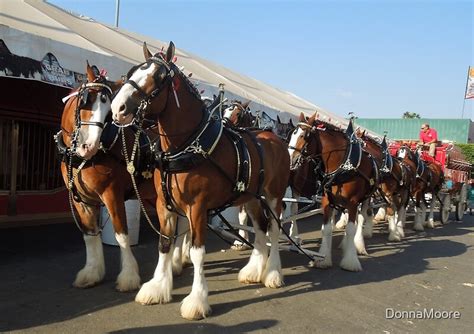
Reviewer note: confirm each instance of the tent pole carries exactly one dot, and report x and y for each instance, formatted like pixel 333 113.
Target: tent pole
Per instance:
pixel 117 12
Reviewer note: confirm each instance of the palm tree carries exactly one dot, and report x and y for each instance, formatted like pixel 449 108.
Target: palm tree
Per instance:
pixel 410 115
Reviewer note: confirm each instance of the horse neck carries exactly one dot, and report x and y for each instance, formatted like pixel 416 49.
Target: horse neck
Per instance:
pixel 333 147
pixel 374 150
pixel 175 124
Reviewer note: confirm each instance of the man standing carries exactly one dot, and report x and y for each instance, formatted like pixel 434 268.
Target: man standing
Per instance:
pixel 429 137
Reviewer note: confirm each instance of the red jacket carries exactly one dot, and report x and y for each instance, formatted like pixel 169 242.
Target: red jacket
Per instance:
pixel 428 136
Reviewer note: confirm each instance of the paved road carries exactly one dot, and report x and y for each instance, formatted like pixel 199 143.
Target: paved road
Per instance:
pixel 428 270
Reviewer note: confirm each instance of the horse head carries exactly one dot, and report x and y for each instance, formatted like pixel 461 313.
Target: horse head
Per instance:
pixel 238 114
pixel 284 130
pixel 85 111
pixel 155 86
pixel 302 143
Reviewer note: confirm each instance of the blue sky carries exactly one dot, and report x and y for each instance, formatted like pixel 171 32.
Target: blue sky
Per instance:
pixel 377 59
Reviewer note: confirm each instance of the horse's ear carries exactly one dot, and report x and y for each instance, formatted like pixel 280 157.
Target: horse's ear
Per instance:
pixel 278 119
pixel 302 118
pixel 312 119
pixel 170 52
pixel 90 73
pixel 146 52
pixel 246 105
pixel 116 85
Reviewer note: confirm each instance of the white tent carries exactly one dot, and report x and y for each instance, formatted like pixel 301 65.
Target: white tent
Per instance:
pixel 32 29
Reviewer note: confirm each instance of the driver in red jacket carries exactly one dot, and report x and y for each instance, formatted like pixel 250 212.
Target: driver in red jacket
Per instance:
pixel 429 137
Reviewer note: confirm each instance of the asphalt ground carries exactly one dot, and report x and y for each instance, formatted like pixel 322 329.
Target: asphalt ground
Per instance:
pixel 428 270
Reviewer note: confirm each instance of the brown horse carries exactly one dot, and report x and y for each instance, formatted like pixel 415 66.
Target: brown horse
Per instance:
pixel 429 179
pixel 396 180
pixel 199 171
pixel 238 114
pixel 94 172
pixel 348 176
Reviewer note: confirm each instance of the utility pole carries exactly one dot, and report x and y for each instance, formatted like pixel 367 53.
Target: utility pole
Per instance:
pixel 117 12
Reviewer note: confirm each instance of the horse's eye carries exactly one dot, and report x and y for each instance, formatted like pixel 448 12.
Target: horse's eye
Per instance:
pixel 103 98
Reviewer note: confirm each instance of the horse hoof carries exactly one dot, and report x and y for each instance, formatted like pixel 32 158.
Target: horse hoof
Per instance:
pixel 362 251
pixel 127 281
pixel 195 308
pixel 394 238
pixel 241 247
pixel 320 264
pixel 153 293
pixel 351 264
pixel 274 280
pixel 87 278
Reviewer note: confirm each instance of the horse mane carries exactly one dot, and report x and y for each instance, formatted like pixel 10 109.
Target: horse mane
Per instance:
pixel 372 140
pixel 330 126
pixel 191 87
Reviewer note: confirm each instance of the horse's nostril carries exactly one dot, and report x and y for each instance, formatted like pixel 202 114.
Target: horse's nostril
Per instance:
pixel 123 107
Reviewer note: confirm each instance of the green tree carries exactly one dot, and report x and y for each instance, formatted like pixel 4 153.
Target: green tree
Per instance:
pixel 411 115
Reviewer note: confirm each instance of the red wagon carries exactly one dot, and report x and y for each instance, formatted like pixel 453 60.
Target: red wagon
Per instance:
pixel 457 172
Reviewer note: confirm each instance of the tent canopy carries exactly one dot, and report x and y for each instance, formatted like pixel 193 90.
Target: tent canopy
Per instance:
pixel 34 29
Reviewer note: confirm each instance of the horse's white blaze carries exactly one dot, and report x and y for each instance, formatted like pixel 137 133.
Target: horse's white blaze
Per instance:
pixel 94 270
pixel 139 76
pixel 158 289
pixel 350 261
pixel 402 153
pixel 129 278
pixel 196 305
pixel 90 133
pixel 228 112
pixel 293 140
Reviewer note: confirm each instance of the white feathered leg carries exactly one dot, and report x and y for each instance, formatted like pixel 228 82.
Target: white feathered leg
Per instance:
pixel 178 249
pixel 424 221
pixel 400 216
pixel 393 234
pixel 243 220
pixel 359 238
pixel 326 245
pixel 253 271
pixel 368 225
pixel 418 225
pixel 381 214
pixel 158 289
pixel 430 223
pixel 129 278
pixel 94 269
pixel 272 275
pixel 196 305
pixel 350 261
pixel 342 222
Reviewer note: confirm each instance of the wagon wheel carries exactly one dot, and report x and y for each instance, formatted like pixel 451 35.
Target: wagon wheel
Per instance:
pixel 461 205
pixel 445 208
